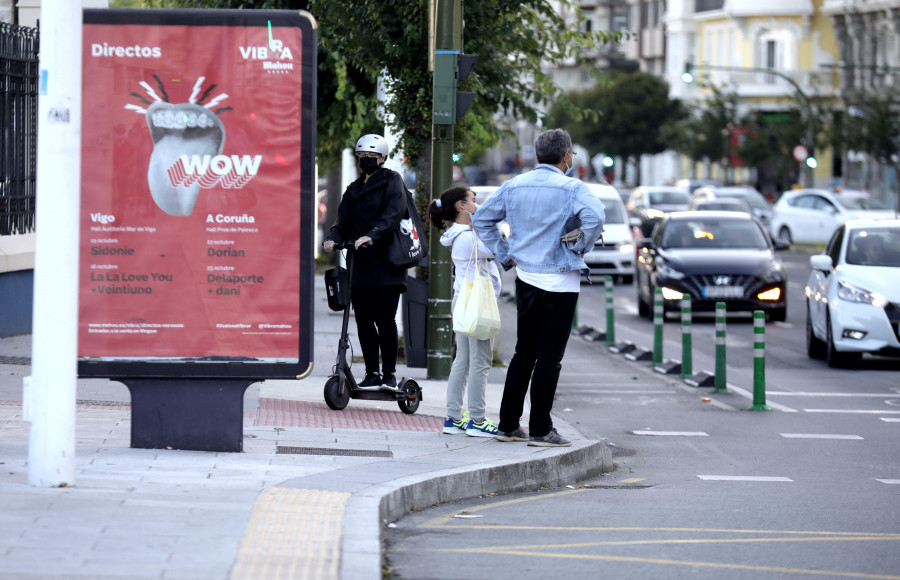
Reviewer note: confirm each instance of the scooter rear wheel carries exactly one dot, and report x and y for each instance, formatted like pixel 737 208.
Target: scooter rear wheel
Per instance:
pixel 410 403
pixel 336 397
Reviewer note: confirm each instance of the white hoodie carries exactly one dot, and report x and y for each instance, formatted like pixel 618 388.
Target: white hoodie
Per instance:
pixel 460 238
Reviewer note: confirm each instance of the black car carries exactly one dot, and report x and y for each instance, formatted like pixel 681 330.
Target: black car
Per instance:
pixel 713 257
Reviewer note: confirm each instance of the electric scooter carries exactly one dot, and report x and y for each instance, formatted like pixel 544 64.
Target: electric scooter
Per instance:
pixel 341 386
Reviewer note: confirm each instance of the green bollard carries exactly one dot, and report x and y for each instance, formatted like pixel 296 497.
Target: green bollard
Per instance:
pixel 658 319
pixel 687 358
pixel 721 379
pixel 610 317
pixel 759 362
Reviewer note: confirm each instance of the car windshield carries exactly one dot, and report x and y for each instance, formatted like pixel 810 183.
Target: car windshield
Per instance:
pixel 670 197
pixel 755 200
pixel 874 247
pixel 861 203
pixel 613 212
pixel 722 206
pixel 713 233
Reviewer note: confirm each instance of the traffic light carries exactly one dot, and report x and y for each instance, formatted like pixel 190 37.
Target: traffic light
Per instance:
pixel 608 161
pixel 687 76
pixel 451 67
pixel 811 160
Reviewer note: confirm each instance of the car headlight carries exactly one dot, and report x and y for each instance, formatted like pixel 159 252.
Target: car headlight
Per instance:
pixel 774 273
pixel 851 293
pixel 668 271
pixel 626 248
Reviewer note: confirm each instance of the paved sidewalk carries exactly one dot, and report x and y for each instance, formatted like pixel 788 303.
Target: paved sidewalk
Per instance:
pixel 308 497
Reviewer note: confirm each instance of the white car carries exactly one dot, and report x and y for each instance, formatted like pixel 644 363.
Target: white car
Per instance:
pixel 853 293
pixel 811 215
pixel 613 253
pixel 482 194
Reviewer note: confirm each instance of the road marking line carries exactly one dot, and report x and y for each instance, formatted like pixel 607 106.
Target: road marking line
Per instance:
pixel 515 552
pixel 749 395
pixel 890 419
pixel 672 433
pixel 443 521
pixel 812 394
pixel 873 412
pixel 818 436
pixel 632 480
pixel 889 481
pixel 743 478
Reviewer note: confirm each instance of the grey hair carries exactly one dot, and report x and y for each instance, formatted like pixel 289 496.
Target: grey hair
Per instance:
pixel 551 146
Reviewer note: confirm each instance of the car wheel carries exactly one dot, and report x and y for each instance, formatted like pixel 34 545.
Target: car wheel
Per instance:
pixel 815 348
pixel 784 234
pixel 643 307
pixel 777 315
pixel 834 358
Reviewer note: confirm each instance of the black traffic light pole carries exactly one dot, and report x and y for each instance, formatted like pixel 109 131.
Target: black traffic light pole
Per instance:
pixel 688 78
pixel 450 67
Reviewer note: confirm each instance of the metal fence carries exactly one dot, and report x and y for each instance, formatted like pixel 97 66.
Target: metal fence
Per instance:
pixel 18 141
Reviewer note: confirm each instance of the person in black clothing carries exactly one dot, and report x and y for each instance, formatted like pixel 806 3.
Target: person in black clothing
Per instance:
pixel 370 211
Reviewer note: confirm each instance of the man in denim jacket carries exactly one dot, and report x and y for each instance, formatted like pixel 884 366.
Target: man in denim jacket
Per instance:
pixel 553 219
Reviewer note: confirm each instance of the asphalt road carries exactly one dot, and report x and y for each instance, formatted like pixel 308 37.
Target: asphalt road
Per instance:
pixel 701 490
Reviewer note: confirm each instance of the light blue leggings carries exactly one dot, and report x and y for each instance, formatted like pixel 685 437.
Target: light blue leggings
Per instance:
pixel 472 364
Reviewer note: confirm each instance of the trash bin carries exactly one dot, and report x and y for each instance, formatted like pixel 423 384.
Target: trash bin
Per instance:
pixel 415 323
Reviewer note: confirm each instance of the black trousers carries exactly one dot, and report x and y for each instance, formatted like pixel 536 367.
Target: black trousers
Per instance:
pixel 544 325
pixel 375 308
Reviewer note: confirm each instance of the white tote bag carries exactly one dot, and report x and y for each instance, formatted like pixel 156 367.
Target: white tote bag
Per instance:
pixel 476 313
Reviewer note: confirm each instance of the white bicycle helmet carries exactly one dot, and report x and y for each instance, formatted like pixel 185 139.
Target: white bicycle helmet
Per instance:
pixel 375 143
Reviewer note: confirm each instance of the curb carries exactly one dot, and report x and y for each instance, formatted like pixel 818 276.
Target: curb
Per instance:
pixel 387 502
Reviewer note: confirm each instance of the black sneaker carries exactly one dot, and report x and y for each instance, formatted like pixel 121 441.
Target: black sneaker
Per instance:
pixel 371 380
pixel 508 436
pixel 389 383
pixel 551 439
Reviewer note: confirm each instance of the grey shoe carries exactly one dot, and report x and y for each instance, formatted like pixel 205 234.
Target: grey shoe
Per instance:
pixel 507 436
pixel 551 439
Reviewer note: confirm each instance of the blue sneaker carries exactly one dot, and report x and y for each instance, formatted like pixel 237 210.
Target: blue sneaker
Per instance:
pixel 484 429
pixel 453 427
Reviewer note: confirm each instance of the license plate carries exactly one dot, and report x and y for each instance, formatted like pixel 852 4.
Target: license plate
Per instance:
pixel 723 291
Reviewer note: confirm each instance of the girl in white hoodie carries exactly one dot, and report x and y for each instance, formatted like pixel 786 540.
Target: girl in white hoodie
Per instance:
pixel 473 357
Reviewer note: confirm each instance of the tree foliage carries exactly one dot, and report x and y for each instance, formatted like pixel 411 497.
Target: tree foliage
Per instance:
pixel 622 115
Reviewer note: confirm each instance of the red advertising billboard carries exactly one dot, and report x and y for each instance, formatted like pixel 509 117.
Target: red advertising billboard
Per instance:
pixel 197 193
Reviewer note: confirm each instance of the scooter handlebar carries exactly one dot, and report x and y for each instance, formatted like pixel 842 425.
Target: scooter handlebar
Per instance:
pixel 349 245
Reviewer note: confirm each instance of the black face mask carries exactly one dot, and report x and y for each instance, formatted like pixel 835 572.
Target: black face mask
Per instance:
pixel 368 164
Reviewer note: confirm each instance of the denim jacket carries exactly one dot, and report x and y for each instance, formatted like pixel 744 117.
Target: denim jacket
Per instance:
pixel 540 206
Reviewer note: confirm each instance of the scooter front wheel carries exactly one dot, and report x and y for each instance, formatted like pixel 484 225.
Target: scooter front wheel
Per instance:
pixel 336 395
pixel 410 403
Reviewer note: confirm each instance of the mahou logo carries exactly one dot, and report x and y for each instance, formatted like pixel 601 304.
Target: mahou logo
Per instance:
pixel 188 139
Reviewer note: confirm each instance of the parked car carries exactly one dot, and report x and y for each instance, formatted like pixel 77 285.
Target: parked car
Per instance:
pixel 761 207
pixel 812 215
pixel 712 257
pixel 613 254
pixel 721 204
pixel 650 203
pixel 853 293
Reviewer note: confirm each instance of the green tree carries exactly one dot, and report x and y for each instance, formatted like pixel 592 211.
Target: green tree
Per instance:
pixel 622 115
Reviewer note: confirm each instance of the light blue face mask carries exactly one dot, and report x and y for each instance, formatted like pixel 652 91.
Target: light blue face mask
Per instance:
pixel 570 171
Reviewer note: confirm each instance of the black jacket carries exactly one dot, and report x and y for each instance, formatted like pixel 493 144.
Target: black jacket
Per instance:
pixel 373 208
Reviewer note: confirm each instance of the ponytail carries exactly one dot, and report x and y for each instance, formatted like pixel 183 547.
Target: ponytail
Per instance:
pixel 444 209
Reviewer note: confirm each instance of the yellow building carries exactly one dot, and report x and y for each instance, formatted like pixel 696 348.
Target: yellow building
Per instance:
pixel 775 55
